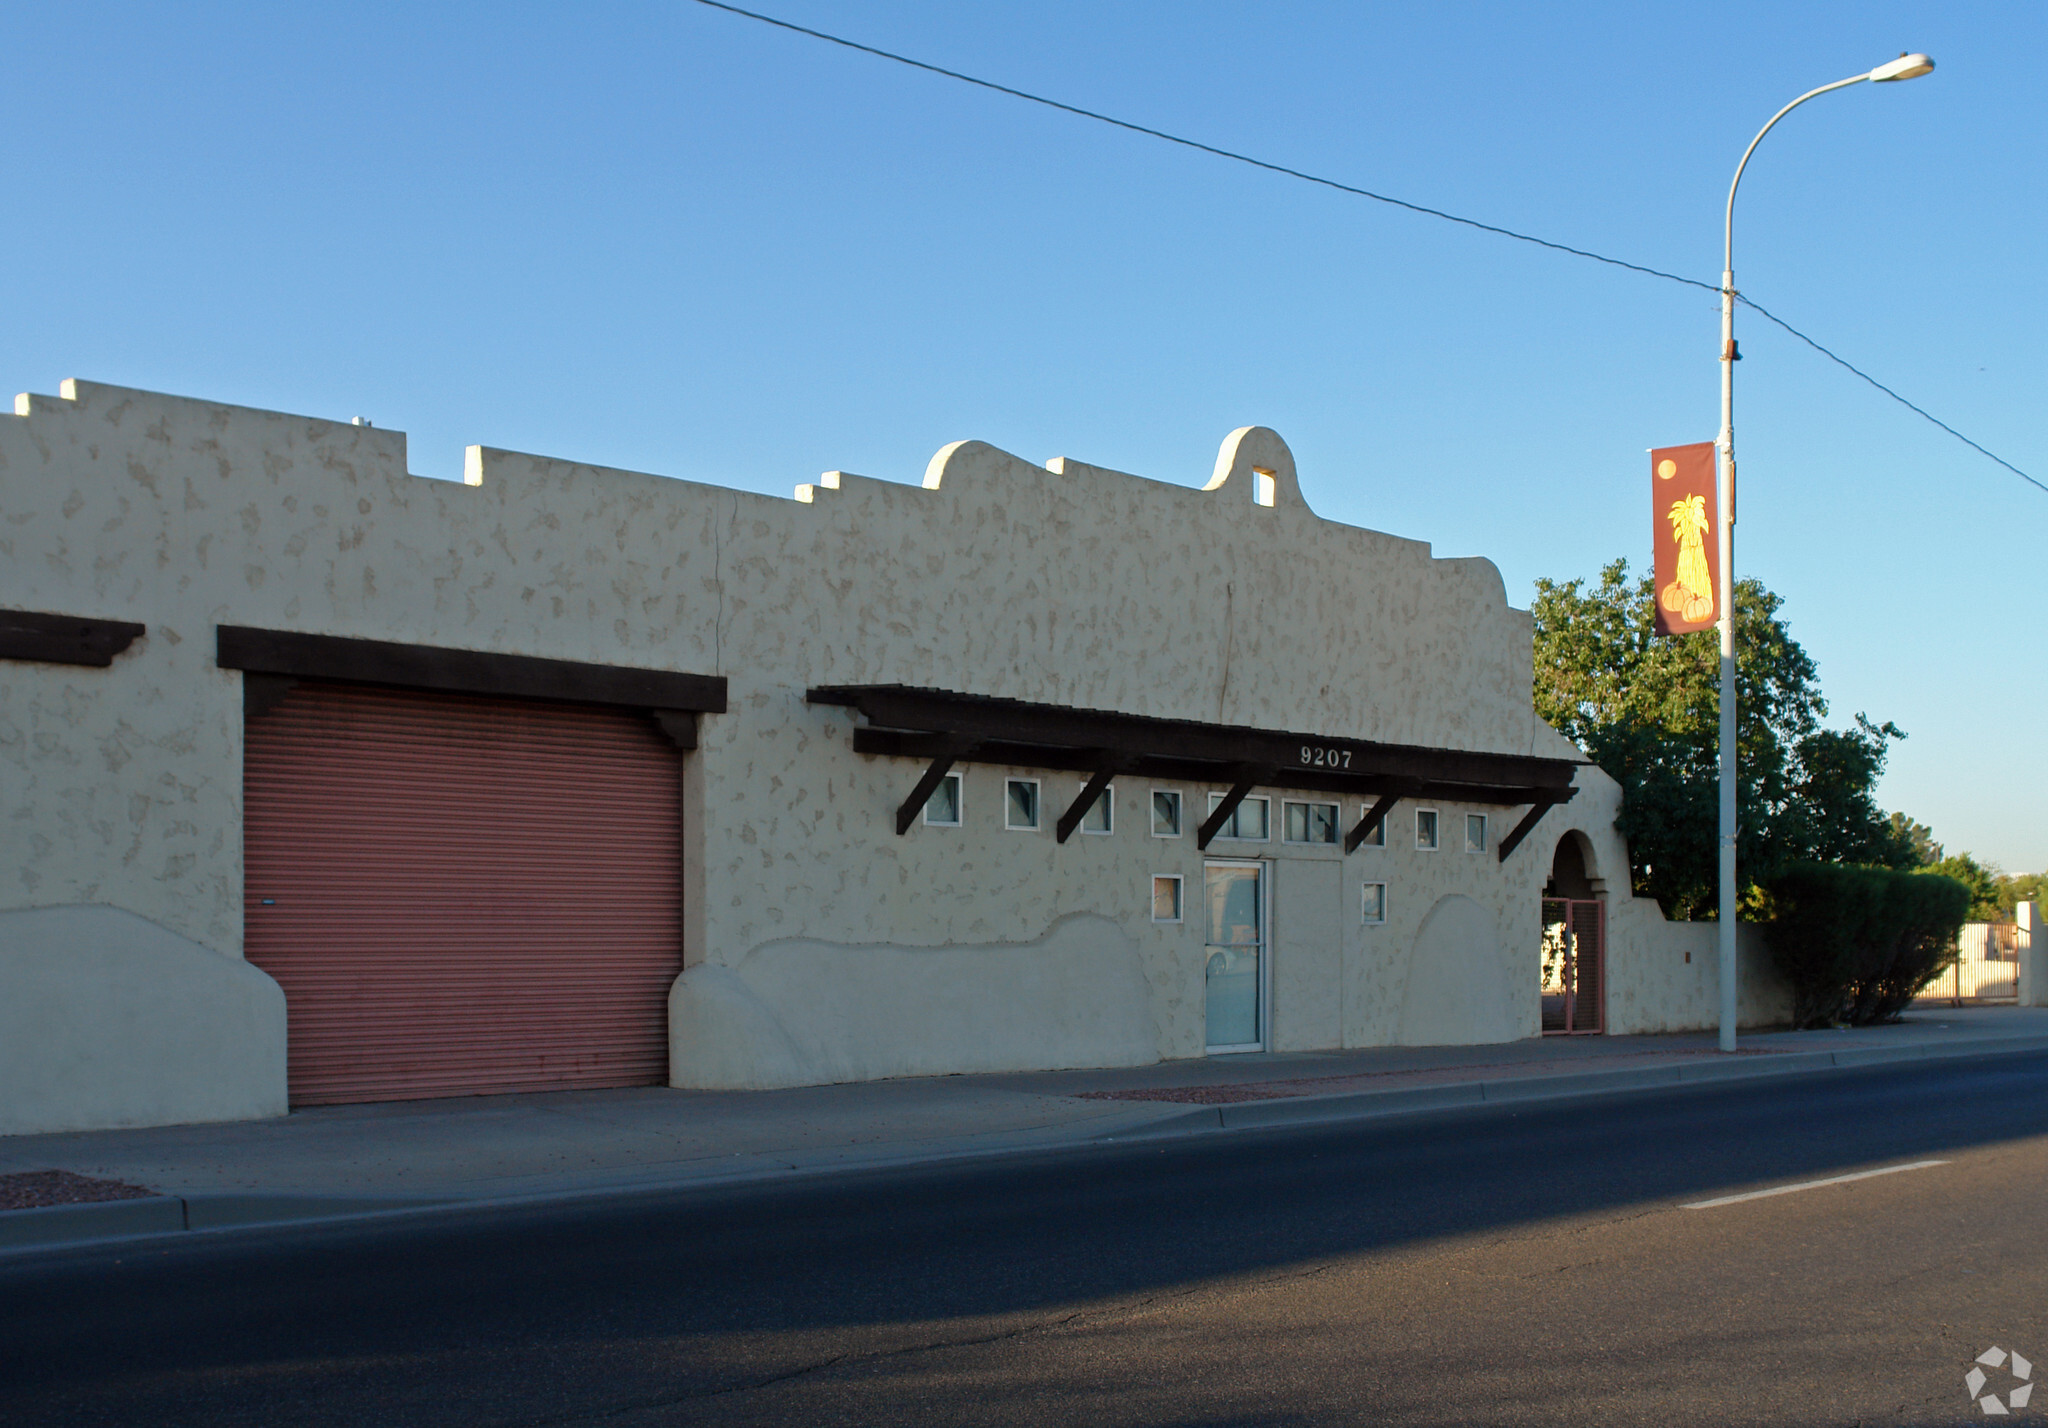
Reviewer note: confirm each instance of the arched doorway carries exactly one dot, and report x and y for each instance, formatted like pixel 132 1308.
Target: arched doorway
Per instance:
pixel 1574 945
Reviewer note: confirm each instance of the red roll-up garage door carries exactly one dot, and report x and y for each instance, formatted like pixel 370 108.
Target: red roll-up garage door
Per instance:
pixel 462 894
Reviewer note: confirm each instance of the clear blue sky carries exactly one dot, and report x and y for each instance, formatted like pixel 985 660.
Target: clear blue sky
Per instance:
pixel 659 237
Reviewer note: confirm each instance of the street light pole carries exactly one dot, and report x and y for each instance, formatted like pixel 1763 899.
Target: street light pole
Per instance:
pixel 1904 67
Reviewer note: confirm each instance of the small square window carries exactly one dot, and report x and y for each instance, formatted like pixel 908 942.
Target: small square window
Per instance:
pixel 1166 813
pixel 1475 832
pixel 1378 837
pixel 1373 906
pixel 1166 898
pixel 1101 814
pixel 1311 822
pixel 942 809
pixel 1020 804
pixel 1253 819
pixel 1425 829
pixel 1250 820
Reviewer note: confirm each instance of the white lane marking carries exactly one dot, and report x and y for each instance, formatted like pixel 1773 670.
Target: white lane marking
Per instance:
pixel 1808 1185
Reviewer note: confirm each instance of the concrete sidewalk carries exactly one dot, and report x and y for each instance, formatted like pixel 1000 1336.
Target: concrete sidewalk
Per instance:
pixel 348 1160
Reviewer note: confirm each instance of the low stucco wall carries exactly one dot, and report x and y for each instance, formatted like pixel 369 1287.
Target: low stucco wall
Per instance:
pixel 1666 976
pixel 2033 984
pixel 107 1020
pixel 1460 988
pixel 802 1012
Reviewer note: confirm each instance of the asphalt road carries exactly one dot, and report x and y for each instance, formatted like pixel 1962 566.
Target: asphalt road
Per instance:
pixel 1493 1266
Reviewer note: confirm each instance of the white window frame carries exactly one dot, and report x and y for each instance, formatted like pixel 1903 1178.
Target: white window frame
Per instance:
pixel 1480 846
pixel 1287 803
pixel 1180 806
pixel 959 803
pixel 1108 801
pixel 1436 824
pixel 1378 837
pixel 1365 906
pixel 1037 805
pixel 1216 797
pixel 1180 898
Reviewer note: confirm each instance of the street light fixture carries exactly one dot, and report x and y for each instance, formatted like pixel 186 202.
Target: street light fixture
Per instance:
pixel 1906 66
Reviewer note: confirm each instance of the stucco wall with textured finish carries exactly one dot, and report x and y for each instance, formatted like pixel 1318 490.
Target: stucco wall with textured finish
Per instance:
pixel 1064 583
pixel 107 1020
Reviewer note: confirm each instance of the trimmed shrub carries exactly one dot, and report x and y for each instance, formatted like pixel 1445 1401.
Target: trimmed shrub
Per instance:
pixel 1857 944
pixel 1925 912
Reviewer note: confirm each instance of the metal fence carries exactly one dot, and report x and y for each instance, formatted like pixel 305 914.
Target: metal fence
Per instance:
pixel 1574 966
pixel 1986 969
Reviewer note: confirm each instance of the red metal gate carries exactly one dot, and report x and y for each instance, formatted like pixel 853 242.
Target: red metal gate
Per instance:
pixel 462 894
pixel 1574 966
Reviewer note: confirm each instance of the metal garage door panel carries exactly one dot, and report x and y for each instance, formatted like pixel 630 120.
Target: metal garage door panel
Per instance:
pixel 462 894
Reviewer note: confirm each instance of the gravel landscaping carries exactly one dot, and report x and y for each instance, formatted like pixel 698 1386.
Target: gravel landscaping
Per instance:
pixel 36 1189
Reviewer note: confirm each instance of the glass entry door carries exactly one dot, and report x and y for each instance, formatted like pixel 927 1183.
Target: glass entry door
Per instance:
pixel 1236 897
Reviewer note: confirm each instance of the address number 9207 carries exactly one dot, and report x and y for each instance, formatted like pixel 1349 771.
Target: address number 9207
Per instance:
pixel 1315 756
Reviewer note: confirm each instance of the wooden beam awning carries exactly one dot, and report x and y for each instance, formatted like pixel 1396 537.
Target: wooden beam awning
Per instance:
pixel 64 639
pixel 272 661
pixel 943 727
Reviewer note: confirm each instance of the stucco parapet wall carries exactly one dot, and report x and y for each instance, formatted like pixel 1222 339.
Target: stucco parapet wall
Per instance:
pixel 1249 583
pixel 1113 590
pixel 1231 603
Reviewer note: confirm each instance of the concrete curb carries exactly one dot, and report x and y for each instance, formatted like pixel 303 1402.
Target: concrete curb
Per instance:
pixel 1363 1105
pixel 64 1224
pixel 165 1216
pixel 172 1214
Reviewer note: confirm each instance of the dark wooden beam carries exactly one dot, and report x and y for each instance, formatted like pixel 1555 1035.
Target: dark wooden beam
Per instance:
pixel 302 656
pixel 64 639
pixel 1247 779
pixel 1374 816
pixel 262 693
pixel 901 744
pixel 680 725
pixel 1311 756
pixel 941 765
pixel 1521 830
pixel 1090 791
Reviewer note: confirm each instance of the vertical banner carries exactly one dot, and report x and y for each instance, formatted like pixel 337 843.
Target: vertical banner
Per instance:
pixel 1682 521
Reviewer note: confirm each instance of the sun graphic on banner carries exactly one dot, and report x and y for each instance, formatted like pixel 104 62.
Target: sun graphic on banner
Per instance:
pixel 1691 595
pixel 1666 469
pixel 1976 1378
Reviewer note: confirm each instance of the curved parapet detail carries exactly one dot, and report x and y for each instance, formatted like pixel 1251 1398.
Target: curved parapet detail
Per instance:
pixel 1483 577
pixel 964 460
pixel 935 469
pixel 1254 461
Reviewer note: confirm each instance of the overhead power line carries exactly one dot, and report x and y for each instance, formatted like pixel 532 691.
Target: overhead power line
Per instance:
pixel 1355 191
pixel 1842 362
pixel 1230 154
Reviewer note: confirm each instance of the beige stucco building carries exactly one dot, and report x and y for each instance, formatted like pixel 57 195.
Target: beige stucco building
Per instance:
pixel 323 781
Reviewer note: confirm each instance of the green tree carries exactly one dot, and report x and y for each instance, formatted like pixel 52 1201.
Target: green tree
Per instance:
pixel 1917 839
pixel 1647 710
pixel 1981 879
pixel 2016 888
